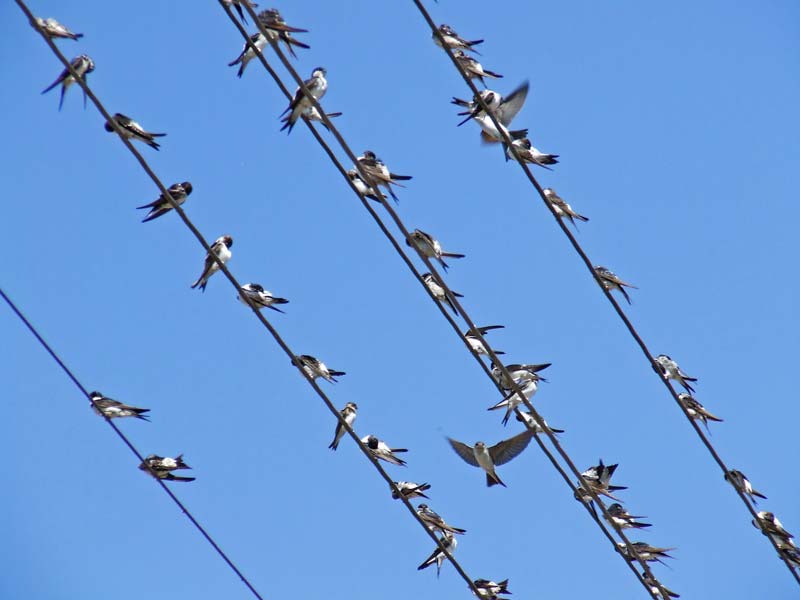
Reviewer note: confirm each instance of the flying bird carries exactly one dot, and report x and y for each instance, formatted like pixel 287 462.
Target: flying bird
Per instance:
pixel 530 422
pixel 161 206
pixel 435 522
pixel 219 249
pixel 316 85
pixel 54 30
pixel 623 519
pixel 382 451
pixel 474 341
pixel 439 292
pixel 454 41
pixel 131 130
pixel 430 247
pixel 489 458
pixel 82 65
pixel 374 172
pixel 248 54
pixel 562 208
pixel 669 369
pixel 738 480
pixel 113 409
pixel 529 154
pixel 161 467
pixel 409 490
pixel 448 540
pixel 348 413
pixel 314 368
pixel 696 410
pixel 473 68
pixel 259 297
pixel 610 281
pixel 278 30
pixel 527 386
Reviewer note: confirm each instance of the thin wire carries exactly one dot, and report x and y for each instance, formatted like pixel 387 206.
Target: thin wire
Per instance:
pixel 128 443
pixel 585 258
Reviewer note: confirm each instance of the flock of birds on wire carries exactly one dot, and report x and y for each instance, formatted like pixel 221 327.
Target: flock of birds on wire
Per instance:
pixel 371 174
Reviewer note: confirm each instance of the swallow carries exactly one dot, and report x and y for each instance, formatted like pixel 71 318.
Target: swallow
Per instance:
pixel 644 551
pixel 316 85
pixel 518 372
pixel 529 154
pixel 454 41
pixel 562 208
pixel 278 30
pixel 669 369
pixel 362 186
pixel 349 415
pixel 598 478
pixel 656 587
pixel 238 4
pixel 738 480
pixel 133 131
pixel 259 297
pixel 623 519
pixel 504 109
pixel 448 540
pixel 530 422
pixel 381 451
pixel 312 114
pixel 82 65
pixel 489 458
pixel 314 368
pixel 528 387
pixel 473 68
pixel 475 343
pixel 435 522
pixel 409 490
pixel 161 467
pixel 474 107
pixel 439 292
pixel 490 590
pixel 770 526
pixel 374 172
pixel 221 249
pixel 161 206
pixel 248 54
pixel 696 410
pixel 610 282
pixel 427 245
pixel 113 409
pixel 54 30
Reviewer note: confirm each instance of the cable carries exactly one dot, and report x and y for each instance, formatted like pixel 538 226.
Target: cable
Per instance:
pixel 128 443
pixel 584 257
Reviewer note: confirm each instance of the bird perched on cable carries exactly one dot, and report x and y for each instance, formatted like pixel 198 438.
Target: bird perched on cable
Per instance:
pixel 669 369
pixel 374 172
pixel 278 30
pixel 490 590
pixel 259 297
pixel 656 586
pixel 439 292
pixel 598 478
pixel 448 540
pixel 219 249
pixel 314 368
pixel 473 68
pixel 409 490
pixel 474 341
pixel 518 372
pixel 161 467
pixel 429 246
pixel 530 422
pixel 362 187
pixel 454 41
pixel 487 458
pixel 504 110
pixel 770 526
pixel 131 130
pixel 161 206
pixel 348 413
pixel 644 551
pixel 623 519
pixel 529 154
pixel 610 282
pixel 113 409
pixel 54 30
pixel 382 451
pixel 738 480
pixel 696 410
pixel 82 65
pixel 248 54
pixel 435 522
pixel 238 4
pixel 561 208
pixel 316 85
pixel 528 386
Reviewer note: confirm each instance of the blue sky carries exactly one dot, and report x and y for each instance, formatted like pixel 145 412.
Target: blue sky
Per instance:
pixel 677 131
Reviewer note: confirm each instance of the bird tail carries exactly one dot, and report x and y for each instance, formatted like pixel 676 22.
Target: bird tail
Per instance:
pixel 76 36
pixel 52 85
pixel 399 450
pixel 290 41
pixel 140 413
pixel 201 281
pixel 580 217
pixel 336 373
pixel 180 478
pixel 628 299
pixel 492 74
pixel 394 176
pixel 493 479
pixel 453 255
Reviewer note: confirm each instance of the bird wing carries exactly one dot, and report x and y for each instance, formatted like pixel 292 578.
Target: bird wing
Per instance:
pixel 512 104
pixel 464 451
pixel 504 451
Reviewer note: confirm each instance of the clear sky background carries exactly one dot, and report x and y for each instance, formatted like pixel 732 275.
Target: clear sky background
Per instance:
pixel 678 134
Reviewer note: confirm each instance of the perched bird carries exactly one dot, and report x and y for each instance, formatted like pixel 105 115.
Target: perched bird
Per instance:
pixel 530 422
pixel 314 368
pixel 429 246
pixel 454 41
pixel 53 29
pixel 473 68
pixel 529 154
pixel 623 519
pixel 696 410
pixel 161 206
pixel 349 415
pixel 738 480
pixel 133 131
pixel 82 65
pixel 561 208
pixel 362 187
pixel 409 490
pixel 316 85
pixel 770 526
pixel 374 172
pixel 475 108
pixel 474 341
pixel 598 478
pixel 259 297
pixel 528 387
pixel 312 114
pixel 489 458
pixel 219 249
pixel 278 30
pixel 238 4
pixel 113 409
pixel 248 54
pixel 669 369
pixel 644 551
pixel 435 522
pixel 439 292
pixel 504 109
pixel 656 587
pixel 381 451
pixel 448 540
pixel 610 281
pixel 518 372
pixel 490 590
pixel 161 467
